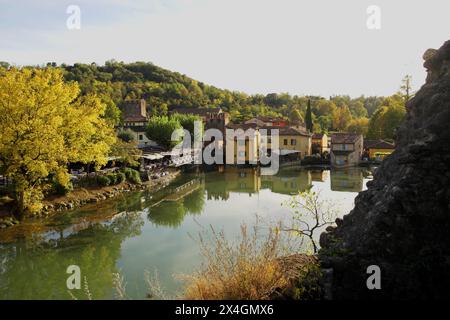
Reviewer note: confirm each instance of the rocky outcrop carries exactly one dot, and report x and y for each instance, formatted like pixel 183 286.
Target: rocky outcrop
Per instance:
pixel 402 222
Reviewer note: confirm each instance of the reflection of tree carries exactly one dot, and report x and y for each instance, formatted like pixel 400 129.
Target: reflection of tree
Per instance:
pixel 350 180
pixel 131 202
pixel 168 213
pixel 216 187
pixel 310 214
pixel 195 201
pixel 33 270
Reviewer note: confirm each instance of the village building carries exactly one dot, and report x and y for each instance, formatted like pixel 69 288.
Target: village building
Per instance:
pixel 377 149
pixel 213 118
pixel 346 149
pixel 135 118
pixel 263 121
pixel 243 150
pixel 294 144
pixel 319 143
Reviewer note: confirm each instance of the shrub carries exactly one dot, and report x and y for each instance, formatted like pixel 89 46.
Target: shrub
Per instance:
pixel 132 175
pixel 62 190
pixel 103 181
pixel 245 270
pixel 112 178
pixel 120 176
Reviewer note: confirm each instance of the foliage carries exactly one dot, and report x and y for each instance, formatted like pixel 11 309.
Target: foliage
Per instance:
pixel 132 175
pixel 126 135
pixel 127 153
pixel 247 270
pixel 160 129
pixel 45 125
pixel 60 189
pixel 112 178
pixel 103 181
pixel 341 118
pixel 296 116
pixel 310 214
pixel 385 120
pixel 164 90
pixel 308 118
pixel 120 176
pixel 187 121
pixel 359 125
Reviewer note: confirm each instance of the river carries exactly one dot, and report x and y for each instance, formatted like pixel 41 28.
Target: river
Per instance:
pixel 148 231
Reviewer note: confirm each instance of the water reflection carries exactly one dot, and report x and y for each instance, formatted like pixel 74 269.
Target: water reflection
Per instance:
pixel 145 229
pixel 37 269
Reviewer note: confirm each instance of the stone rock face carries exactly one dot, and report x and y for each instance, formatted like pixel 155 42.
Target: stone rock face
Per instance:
pixel 402 222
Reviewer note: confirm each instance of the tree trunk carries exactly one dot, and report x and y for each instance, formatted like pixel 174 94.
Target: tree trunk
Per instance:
pixel 21 203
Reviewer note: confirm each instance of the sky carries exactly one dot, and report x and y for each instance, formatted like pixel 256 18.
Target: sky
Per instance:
pixel 320 47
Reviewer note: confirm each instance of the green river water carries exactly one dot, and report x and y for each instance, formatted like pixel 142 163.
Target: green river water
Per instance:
pixel 153 231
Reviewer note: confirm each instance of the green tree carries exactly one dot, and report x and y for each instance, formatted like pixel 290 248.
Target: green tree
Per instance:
pixel 386 119
pixel 341 118
pixel 359 125
pixel 296 116
pixel 160 129
pixel 308 117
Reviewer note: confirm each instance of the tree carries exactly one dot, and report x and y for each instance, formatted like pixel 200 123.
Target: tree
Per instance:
pixel 126 153
pixel 308 117
pixel 406 88
pixel 357 109
pixel 386 119
pixel 359 125
pixel 187 121
pixel 45 125
pixel 296 116
pixel 160 129
pixel 324 108
pixel 341 118
pixel 126 135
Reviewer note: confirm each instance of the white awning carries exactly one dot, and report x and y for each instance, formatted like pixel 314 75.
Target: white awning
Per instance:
pixel 153 156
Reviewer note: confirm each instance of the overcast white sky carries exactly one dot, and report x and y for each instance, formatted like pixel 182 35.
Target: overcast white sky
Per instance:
pixel 302 47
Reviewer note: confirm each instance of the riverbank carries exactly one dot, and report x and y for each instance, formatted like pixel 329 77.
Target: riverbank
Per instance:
pixel 84 196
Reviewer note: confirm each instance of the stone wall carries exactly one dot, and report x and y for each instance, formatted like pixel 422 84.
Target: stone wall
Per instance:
pixel 402 222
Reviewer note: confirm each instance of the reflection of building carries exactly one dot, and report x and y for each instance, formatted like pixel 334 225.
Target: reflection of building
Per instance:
pixel 377 149
pixel 350 180
pixel 319 175
pixel 346 149
pixel 319 143
pixel 245 180
pixel 289 182
pixel 134 116
pixel 249 180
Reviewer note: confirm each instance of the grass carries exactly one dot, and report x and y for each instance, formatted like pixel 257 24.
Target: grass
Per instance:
pixel 250 269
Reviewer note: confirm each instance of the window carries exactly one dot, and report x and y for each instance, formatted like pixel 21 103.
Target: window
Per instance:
pixel 141 137
pixel 293 142
pixel 285 142
pixel 241 153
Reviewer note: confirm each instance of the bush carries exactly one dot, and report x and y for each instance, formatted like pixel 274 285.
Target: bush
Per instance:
pixel 132 175
pixel 61 190
pixel 103 181
pixel 120 176
pixel 244 270
pixel 112 178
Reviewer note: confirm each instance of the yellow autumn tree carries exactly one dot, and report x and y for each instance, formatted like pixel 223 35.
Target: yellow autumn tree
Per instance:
pixel 45 124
